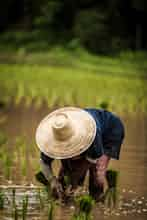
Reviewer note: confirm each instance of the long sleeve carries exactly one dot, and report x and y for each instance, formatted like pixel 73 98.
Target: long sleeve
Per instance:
pixel 109 136
pixel 45 163
pixel 113 138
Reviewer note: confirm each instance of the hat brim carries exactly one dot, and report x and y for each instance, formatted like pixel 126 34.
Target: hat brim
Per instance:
pixel 84 133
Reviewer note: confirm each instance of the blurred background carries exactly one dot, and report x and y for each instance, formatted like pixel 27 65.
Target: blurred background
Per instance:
pixel 84 53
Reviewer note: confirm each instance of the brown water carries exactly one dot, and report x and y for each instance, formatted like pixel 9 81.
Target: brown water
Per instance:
pixel 132 164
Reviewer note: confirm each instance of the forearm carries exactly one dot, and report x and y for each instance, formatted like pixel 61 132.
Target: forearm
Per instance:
pixel 101 167
pixel 46 170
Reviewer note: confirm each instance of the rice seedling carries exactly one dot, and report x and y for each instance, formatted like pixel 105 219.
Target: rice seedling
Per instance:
pixel 41 178
pixel 3 139
pixel 50 210
pixel 104 105
pixel 41 200
pixel 7 165
pixel 84 208
pixel 1 200
pixel 15 212
pixel 110 196
pixel 23 166
pixel 24 207
pixel 13 197
pixel 14 206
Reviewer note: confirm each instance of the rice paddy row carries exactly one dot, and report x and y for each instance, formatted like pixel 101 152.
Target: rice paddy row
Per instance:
pixel 60 86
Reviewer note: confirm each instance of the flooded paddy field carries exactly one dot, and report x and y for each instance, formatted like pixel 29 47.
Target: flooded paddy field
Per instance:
pixel 19 161
pixel 130 205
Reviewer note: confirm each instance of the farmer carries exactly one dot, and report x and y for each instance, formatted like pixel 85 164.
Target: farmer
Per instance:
pixel 83 139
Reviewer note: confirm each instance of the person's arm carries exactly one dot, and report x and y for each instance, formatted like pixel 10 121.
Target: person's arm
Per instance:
pixel 113 137
pixel 45 164
pixel 55 186
pixel 46 170
pixel 101 167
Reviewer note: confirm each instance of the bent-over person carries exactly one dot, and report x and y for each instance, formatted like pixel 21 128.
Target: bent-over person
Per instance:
pixel 83 139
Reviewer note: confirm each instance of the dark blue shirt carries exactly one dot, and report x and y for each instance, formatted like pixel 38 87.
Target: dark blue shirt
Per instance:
pixel 109 135
pixel 108 139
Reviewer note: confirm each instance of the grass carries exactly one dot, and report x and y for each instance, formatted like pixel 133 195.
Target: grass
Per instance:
pixel 85 83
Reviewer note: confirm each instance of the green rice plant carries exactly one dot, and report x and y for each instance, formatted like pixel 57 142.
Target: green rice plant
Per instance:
pixel 41 178
pixel 23 166
pixel 15 212
pixel 1 200
pixel 41 200
pixel 20 143
pixel 50 210
pixel 110 196
pixel 24 207
pixel 7 165
pixel 13 197
pixel 104 105
pixel 104 79
pixel 20 93
pixel 84 207
pixel 3 139
pixel 14 206
pixel 20 155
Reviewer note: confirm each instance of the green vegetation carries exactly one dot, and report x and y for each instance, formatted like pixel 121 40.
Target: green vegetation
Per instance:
pixel 110 196
pixel 14 206
pixel 24 207
pixel 50 210
pixel 17 158
pixel 13 197
pixel 1 200
pixel 15 213
pixel 41 199
pixel 74 77
pixel 100 26
pixel 85 204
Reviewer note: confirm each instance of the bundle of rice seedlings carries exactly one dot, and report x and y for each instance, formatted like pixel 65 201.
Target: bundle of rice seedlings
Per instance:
pixel 110 196
pixel 85 204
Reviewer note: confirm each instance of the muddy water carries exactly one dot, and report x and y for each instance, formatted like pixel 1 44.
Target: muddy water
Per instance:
pixel 132 165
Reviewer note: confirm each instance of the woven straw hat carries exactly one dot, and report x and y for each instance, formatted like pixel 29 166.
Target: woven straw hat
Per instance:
pixel 66 133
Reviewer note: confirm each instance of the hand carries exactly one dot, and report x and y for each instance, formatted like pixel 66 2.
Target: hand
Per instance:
pixel 101 166
pixel 56 188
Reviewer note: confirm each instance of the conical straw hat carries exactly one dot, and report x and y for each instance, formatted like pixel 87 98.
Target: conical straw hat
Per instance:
pixel 66 133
